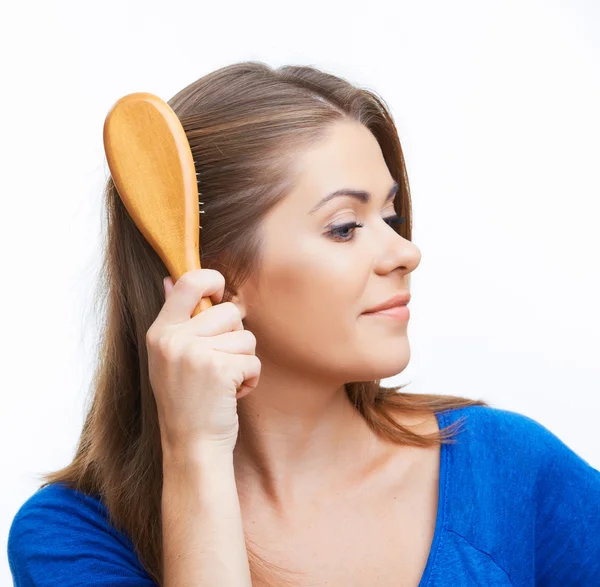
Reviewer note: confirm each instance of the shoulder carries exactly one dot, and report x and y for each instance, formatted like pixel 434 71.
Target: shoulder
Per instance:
pixel 508 451
pixel 510 433
pixel 47 498
pixel 505 449
pixel 480 418
pixel 58 507
pixel 519 493
pixel 60 535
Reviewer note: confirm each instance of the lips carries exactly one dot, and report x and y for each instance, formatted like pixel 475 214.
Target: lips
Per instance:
pixel 400 299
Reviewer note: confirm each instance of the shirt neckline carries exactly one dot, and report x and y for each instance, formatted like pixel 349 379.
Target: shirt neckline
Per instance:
pixel 441 509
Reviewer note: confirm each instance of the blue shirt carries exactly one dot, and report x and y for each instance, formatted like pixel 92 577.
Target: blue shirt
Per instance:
pixel 517 507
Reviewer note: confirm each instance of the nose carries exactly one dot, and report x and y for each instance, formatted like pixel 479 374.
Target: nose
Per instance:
pixel 396 252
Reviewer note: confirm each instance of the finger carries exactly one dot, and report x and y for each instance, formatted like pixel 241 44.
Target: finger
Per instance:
pixel 251 367
pixel 187 292
pixel 168 285
pixel 219 319
pixel 241 342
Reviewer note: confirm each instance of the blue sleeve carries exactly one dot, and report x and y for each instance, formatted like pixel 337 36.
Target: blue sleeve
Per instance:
pixel 567 551
pixel 62 537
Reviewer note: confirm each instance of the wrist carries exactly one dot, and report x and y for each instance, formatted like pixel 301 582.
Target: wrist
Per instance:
pixel 208 453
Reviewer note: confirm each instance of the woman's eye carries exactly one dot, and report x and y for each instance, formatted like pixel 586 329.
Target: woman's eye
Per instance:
pixel 340 232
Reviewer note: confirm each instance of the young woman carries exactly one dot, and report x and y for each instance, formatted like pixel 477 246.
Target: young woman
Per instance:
pixel 253 444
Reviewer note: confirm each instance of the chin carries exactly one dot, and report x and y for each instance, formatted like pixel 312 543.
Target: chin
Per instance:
pixel 390 362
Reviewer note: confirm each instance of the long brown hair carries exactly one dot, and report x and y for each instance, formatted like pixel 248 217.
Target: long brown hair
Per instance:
pixel 244 122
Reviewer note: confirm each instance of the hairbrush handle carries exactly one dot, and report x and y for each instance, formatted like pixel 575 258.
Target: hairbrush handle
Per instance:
pixel 152 166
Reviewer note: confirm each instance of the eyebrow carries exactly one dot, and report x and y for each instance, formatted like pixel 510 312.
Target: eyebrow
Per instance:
pixel 360 195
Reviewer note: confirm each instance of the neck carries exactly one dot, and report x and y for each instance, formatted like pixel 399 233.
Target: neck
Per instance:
pixel 299 439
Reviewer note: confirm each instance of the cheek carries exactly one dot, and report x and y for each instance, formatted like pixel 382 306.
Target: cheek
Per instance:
pixel 306 307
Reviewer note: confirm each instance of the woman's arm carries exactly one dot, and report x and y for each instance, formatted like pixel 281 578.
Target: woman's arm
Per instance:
pixel 203 539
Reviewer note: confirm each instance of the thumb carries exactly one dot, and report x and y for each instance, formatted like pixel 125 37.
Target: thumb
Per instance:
pixel 168 286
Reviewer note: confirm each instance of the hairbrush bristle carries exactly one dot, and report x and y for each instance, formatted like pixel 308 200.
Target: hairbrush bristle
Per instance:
pixel 199 203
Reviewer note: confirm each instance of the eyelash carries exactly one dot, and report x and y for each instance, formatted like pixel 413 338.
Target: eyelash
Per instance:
pixel 335 230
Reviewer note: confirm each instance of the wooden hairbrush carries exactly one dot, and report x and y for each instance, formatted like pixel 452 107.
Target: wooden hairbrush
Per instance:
pixel 151 164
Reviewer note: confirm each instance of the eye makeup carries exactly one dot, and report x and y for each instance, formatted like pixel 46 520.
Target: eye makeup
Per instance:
pixel 338 232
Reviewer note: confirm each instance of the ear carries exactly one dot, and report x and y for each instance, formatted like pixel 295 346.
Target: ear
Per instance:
pixel 238 300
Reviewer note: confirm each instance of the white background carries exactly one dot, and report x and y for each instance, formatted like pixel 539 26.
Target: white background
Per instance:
pixel 497 105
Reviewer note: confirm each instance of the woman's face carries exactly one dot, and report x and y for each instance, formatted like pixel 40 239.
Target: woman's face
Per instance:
pixel 306 304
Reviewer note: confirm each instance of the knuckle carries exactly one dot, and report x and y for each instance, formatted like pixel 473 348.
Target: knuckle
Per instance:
pixel 167 345
pixel 198 280
pixel 150 337
pixel 198 355
pixel 218 277
pixel 187 280
pixel 211 363
pixel 251 337
pixel 155 337
pixel 191 356
pixel 231 309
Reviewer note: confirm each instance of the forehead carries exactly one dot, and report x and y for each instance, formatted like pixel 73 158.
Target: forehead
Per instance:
pixel 348 157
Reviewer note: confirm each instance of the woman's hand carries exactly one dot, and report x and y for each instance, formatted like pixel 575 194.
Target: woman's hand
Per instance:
pixel 196 365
